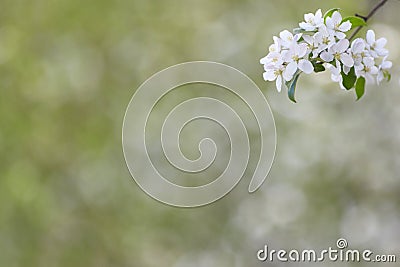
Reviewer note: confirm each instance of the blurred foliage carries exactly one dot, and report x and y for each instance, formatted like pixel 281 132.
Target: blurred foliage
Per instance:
pixel 67 72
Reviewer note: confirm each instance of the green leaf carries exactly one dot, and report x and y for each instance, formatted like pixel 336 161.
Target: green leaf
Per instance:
pixel 330 12
pixel 355 21
pixel 292 87
pixel 360 87
pixel 318 67
pixel 349 79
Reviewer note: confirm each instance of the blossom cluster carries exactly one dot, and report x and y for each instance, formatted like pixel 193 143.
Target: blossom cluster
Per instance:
pixel 321 43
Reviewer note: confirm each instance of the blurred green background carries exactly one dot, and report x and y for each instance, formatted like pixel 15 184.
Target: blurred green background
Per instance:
pixel 67 72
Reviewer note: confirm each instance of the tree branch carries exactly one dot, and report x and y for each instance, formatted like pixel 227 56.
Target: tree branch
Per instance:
pixel 366 18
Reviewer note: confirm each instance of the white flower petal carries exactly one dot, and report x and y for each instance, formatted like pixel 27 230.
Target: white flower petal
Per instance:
pixel 301 50
pixel 309 39
pixel 306 66
pixel 374 70
pixel 380 77
pixel 346 69
pixel 329 23
pixel 340 35
pixel 358 46
pixel 342 45
pixel 286 35
pixel 279 83
pixel 345 26
pixel 336 17
pixel 318 14
pixel 369 61
pixel 264 60
pixel 383 52
pixel 327 57
pixel 304 25
pixel 287 56
pixel 269 75
pixel 309 17
pixel 381 42
pixel 386 65
pixel 290 71
pixel 347 60
pixel 370 37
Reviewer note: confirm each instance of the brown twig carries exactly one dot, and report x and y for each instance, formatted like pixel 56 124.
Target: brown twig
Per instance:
pixel 366 18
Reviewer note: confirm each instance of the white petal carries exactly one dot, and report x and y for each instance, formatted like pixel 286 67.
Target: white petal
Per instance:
pixel 277 43
pixel 345 26
pixel 347 60
pixel 327 57
pixel 297 37
pixel 386 65
pixel 381 42
pixel 306 66
pixel 342 45
pixel 309 39
pixel 279 83
pixel 374 70
pixel 329 23
pixel 336 17
pixel 373 54
pixel 301 50
pixel 286 35
pixel 309 17
pixel 340 35
pixel 370 37
pixel 359 67
pixel 318 14
pixel 335 71
pixel 346 69
pixel 269 75
pixel 264 60
pixel 358 46
pixel 290 71
pixel 304 25
pixel 323 29
pixel 369 61
pixel 380 77
pixel 382 52
pixel 287 56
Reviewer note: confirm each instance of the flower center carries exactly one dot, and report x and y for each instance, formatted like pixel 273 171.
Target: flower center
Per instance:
pixel 295 58
pixel 278 72
pixel 325 40
pixel 337 56
pixel 337 26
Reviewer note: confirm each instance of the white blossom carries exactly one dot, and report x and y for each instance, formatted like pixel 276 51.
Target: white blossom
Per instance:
pixel 276 46
pixel 312 22
pixel 367 69
pixel 383 67
pixel 338 53
pixel 324 38
pixel 336 76
pixel 288 39
pixel 357 50
pixel 324 43
pixel 280 74
pixel 295 57
pixel 336 26
pixel 376 47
